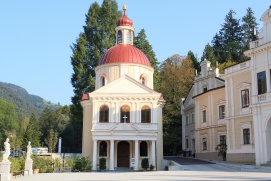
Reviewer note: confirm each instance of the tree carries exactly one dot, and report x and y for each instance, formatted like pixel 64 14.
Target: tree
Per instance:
pixel 32 132
pixel 232 37
pixel 209 55
pixel 193 58
pixel 51 140
pixel 23 123
pixel 98 36
pixel 248 26
pixel 177 76
pixel 217 46
pixel 141 42
pixel 8 121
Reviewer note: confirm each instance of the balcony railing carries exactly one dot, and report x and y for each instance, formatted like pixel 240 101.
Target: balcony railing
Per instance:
pixel 263 98
pixel 124 126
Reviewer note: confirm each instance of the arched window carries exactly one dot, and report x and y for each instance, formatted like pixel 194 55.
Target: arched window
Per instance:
pixel 125 114
pixel 143 79
pixel 104 114
pixel 145 114
pixel 102 81
pixel 103 149
pixel 143 148
pixel 129 37
pixel 119 37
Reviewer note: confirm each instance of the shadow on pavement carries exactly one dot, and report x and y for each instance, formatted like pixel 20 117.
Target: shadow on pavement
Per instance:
pixel 186 161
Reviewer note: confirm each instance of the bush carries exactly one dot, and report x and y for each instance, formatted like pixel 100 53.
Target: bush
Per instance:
pixel 152 167
pixel 102 163
pixel 45 165
pixel 82 164
pixel 17 164
pixel 145 163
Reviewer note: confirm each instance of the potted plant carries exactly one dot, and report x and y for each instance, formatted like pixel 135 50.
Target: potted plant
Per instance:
pixel 152 167
pixel 102 163
pixel 145 163
pixel 36 164
pixel 222 150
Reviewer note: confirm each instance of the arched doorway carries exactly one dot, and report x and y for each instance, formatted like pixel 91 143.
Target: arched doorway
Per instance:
pixel 268 141
pixel 123 157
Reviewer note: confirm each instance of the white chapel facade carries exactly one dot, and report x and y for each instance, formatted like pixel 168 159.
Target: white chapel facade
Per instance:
pixel 122 118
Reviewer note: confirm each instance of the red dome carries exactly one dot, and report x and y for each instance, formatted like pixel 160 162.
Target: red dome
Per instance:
pixel 124 53
pixel 124 21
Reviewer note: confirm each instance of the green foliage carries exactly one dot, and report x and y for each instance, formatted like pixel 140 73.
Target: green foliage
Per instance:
pixel 32 132
pixel 209 55
pixel 193 58
pixel 145 163
pixel 71 162
pixel 152 167
pixel 102 163
pixel 82 164
pixel 25 103
pixel 8 120
pixel 176 79
pixel 233 38
pixel 249 23
pixel 17 164
pixel 98 36
pixel 141 42
pixel 51 140
pixel 44 164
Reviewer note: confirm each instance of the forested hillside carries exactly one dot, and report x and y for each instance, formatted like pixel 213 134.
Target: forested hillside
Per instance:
pixel 25 103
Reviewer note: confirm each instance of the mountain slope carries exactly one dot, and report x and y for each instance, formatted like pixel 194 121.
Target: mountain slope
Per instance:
pixel 25 103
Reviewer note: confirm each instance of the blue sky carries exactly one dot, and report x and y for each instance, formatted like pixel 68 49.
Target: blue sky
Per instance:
pixel 35 36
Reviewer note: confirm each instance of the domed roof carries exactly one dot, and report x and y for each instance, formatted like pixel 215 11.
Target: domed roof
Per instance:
pixel 124 53
pixel 124 20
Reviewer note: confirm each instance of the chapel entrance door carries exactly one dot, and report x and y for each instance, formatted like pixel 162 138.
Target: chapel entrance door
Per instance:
pixel 123 154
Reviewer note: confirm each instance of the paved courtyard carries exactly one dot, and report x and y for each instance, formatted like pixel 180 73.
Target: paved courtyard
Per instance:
pixel 155 175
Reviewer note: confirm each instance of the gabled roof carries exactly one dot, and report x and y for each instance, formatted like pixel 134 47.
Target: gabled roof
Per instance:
pixel 124 85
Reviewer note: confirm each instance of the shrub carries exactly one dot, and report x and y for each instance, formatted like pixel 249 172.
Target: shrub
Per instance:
pixel 152 167
pixel 102 163
pixel 145 163
pixel 17 164
pixel 82 164
pixel 45 165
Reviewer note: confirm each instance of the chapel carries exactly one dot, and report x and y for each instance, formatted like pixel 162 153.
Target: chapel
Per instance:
pixel 122 118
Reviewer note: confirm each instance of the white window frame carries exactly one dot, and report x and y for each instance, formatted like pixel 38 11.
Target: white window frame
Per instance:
pixel 246 126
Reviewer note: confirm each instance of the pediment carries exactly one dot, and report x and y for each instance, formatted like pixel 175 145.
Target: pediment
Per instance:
pixel 124 85
pixel 243 85
pixel 221 102
pixel 203 107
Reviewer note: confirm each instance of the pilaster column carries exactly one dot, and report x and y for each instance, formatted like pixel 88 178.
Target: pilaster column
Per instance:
pixel 94 160
pixel 153 152
pixel 268 79
pixel 136 155
pixel 111 155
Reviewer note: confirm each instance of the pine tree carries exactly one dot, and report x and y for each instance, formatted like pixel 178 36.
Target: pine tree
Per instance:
pixel 231 37
pixel 193 58
pixel 218 47
pixel 141 42
pixel 249 23
pixel 209 55
pixel 98 36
